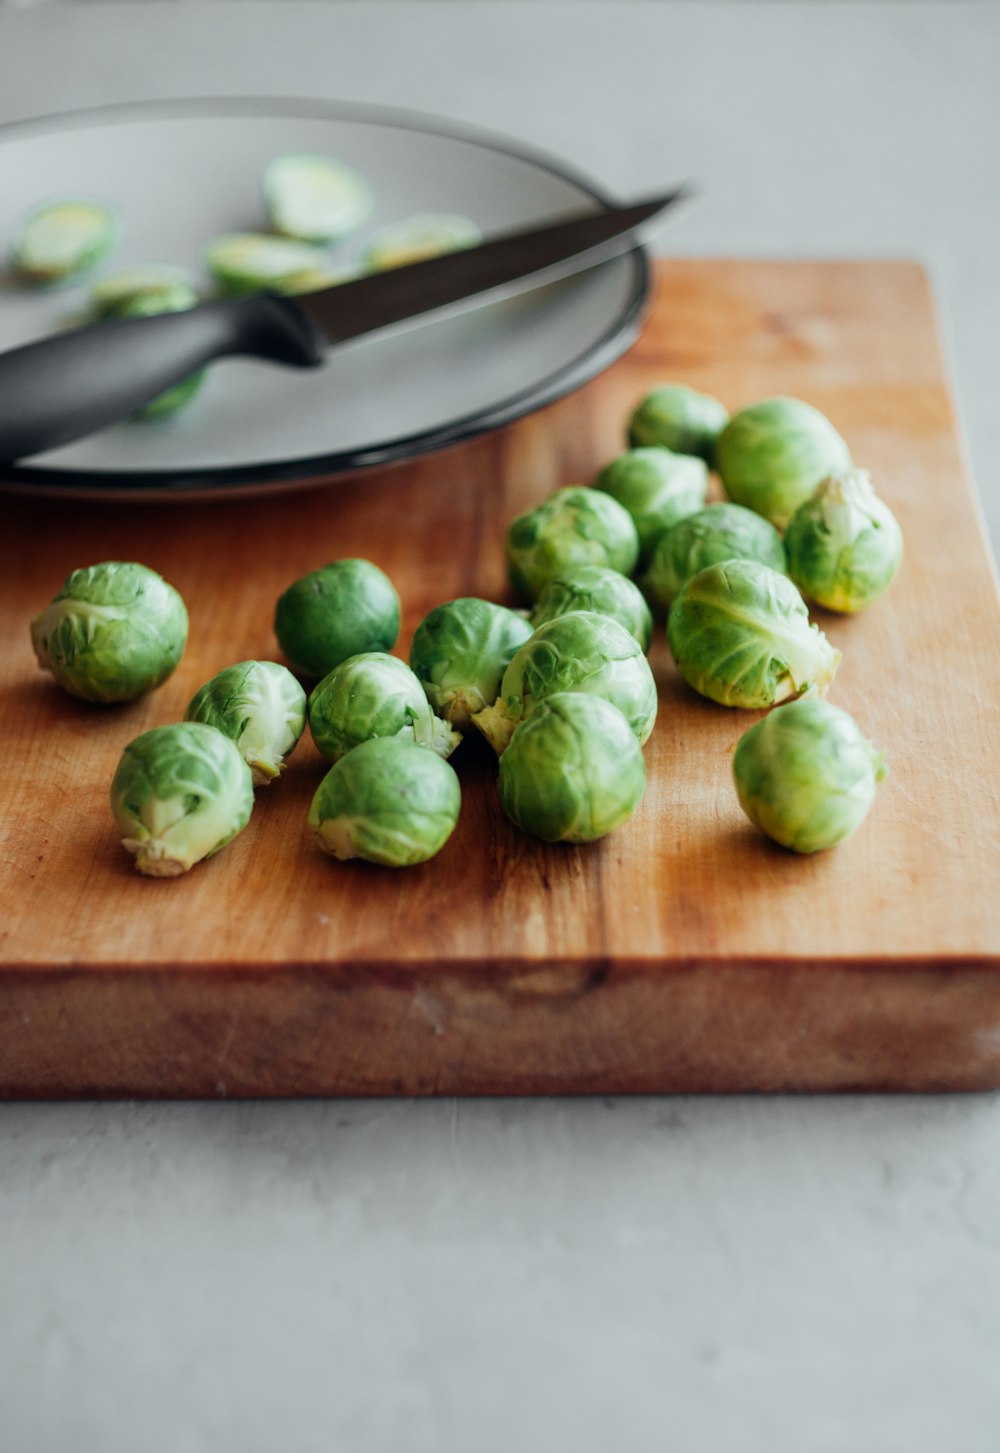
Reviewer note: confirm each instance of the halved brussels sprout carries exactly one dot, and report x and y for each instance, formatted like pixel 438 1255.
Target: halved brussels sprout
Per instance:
pixel 772 455
pixel 315 198
pixel 679 418
pixel 116 291
pixel 374 695
pixel 740 635
pixel 181 792
pixel 146 305
pixel 574 770
pixel 261 707
pixel 806 776
pixel 580 652
pixel 341 610
pixel 573 526
pixel 844 545
pixel 386 802
pixel 716 533
pixel 596 588
pixel 250 262
pixel 113 632
pixel 460 651
pixel 657 488
pixel 60 241
pixel 416 238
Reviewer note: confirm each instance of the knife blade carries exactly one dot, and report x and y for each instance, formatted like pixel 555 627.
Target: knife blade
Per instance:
pixel 64 387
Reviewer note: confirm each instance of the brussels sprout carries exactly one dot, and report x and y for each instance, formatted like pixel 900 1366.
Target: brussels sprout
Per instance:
pixel 342 610
pixel 461 650
pixel 62 240
pixel 740 634
pixel 806 776
pixel 573 771
pixel 113 632
pixel 374 695
pixel 420 237
pixel 180 793
pixel 250 262
pixel 844 545
pixel 145 305
pixel 387 802
pixel 573 526
pixel 716 533
pixel 657 488
pixel 315 198
pixel 261 707
pixel 680 419
pixel 110 295
pixel 772 456
pixel 580 652
pixel 596 588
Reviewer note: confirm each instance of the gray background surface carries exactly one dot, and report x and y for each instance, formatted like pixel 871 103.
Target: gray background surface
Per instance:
pixel 754 1275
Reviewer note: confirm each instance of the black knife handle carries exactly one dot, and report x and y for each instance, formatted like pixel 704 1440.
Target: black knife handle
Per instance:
pixel 66 386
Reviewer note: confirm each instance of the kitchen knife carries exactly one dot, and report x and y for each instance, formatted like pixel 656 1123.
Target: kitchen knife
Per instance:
pixel 63 387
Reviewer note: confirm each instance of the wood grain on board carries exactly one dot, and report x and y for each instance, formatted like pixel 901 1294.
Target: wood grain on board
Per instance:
pixel 684 952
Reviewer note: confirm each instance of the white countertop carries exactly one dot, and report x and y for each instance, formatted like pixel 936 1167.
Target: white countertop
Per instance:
pixel 747 1275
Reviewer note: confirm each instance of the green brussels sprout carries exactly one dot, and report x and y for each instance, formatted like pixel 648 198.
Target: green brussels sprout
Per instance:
pixel 596 588
pixel 573 526
pixel 116 291
pixel 374 695
pixel 113 632
pixel 420 237
pixel 716 533
pixel 386 802
pixel 657 488
pixel 315 198
pixel 342 610
pixel 62 240
pixel 806 776
pixel 680 419
pixel 145 305
pixel 261 707
pixel 772 456
pixel 181 792
pixel 579 652
pixel 250 262
pixel 573 771
pixel 844 545
pixel 740 635
pixel 459 653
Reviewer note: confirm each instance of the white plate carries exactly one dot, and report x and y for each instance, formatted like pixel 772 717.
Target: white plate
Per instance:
pixel 180 173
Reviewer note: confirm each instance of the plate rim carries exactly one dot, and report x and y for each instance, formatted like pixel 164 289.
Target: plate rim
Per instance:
pixel 333 466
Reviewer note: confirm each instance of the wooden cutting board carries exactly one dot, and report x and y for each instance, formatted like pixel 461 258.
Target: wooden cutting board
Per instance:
pixel 683 953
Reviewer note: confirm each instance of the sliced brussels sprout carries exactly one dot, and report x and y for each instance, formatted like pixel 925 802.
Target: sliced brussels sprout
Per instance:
pixel 459 653
pixel 386 802
pixel 573 526
pixel 657 488
pixel 113 632
pixel 252 262
pixel 146 305
pixel 374 695
pixel 772 455
pixel 574 770
pixel 596 588
pixel 59 242
pixel 678 418
pixel 110 295
pixel 740 635
pixel 261 707
pixel 806 776
pixel 341 610
pixel 315 198
pixel 716 533
pixel 181 792
pixel 844 545
pixel 416 238
pixel 582 652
